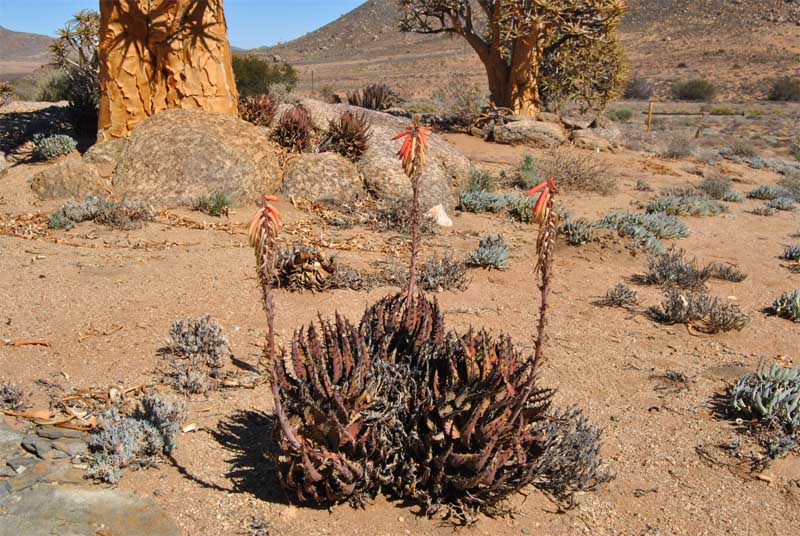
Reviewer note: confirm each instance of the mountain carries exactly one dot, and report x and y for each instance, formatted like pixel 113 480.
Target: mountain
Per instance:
pixel 22 53
pixel 738 43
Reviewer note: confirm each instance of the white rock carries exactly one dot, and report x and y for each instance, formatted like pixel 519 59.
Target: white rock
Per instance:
pixel 439 215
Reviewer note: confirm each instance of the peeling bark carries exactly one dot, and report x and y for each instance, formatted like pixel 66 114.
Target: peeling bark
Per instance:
pixel 160 54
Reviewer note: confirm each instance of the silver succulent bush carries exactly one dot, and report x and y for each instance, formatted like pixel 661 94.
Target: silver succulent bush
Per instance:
pixel 51 147
pixel 492 252
pixel 771 394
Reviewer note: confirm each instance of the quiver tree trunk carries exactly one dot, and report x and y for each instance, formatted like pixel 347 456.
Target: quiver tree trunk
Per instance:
pixel 160 54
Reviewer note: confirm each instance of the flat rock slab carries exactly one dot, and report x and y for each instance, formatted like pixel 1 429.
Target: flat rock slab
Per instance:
pixel 45 510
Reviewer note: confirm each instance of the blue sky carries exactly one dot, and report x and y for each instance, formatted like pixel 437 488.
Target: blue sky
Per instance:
pixel 251 23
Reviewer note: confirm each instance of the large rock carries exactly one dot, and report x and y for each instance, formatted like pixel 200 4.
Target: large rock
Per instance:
pixel 589 139
pixel 178 155
pixel 536 134
pixel 105 155
pixel 69 177
pixel 322 177
pixel 44 510
pixel 445 175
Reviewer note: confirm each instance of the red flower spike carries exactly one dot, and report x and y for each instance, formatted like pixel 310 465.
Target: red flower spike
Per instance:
pixel 267 218
pixel 547 189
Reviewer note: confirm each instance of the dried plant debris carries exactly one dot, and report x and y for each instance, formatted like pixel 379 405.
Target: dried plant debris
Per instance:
pixel 197 352
pixel 139 439
pixel 771 395
pixel 642 186
pixel 125 216
pixel 308 268
pixel 577 232
pixel 11 397
pixel 620 295
pixel 671 268
pixel 259 110
pixel 726 272
pixel 768 192
pixel 492 252
pixel 700 311
pixel 787 306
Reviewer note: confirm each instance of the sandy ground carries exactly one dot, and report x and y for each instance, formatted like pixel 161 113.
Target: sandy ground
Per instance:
pixel 105 308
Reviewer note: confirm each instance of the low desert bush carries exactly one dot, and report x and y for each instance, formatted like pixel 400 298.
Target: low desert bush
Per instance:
pixel 620 295
pixel 768 192
pixel 787 306
pixel 528 174
pixel 671 268
pixel 443 273
pixel 643 186
pixel 394 214
pixel 685 205
pixel 791 183
pixel 258 109
pixel 51 147
pixel 577 232
pixel 6 93
pixel 782 203
pixel 480 202
pixel 763 211
pixel 722 110
pixel 770 395
pixel 726 272
pixel 733 197
pixel 481 180
pixel 125 216
pixel 679 146
pixel 459 100
pixel 140 438
pixel 435 274
pixel 785 88
pixel 792 253
pixel 11 397
pixel 196 353
pixel 639 89
pixel 699 310
pixel 743 149
pixel 621 115
pixel 216 204
pixel 295 129
pixel 492 252
pixel 256 76
pixel 575 171
pixel 374 97
pixel 660 225
pixel 716 186
pixel 694 90
pixel 347 135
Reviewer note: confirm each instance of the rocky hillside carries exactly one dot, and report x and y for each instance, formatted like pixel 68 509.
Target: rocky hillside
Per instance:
pixel 741 43
pixel 21 53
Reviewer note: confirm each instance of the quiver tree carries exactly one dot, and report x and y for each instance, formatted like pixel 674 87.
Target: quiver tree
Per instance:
pixel 512 37
pixel 160 54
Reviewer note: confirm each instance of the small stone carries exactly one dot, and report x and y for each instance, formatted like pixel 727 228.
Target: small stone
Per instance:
pixel 36 445
pixel 6 471
pixel 53 432
pixel 439 216
pixel 20 464
pixel 71 447
pixel 526 531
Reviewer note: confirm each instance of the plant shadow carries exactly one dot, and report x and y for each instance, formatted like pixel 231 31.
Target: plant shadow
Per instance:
pixel 248 435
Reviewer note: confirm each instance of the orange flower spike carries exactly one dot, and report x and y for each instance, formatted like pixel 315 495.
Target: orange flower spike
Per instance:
pixel 541 205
